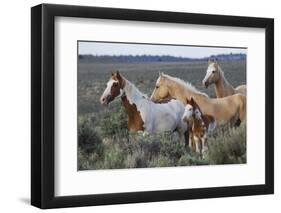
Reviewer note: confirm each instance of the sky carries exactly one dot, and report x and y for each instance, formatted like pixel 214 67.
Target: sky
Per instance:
pixel 105 48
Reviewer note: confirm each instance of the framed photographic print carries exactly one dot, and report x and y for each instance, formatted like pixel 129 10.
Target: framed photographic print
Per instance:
pixel 139 106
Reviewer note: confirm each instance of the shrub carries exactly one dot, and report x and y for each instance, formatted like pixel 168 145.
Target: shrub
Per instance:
pixel 228 147
pixel 87 161
pixel 123 149
pixel 88 139
pixel 136 160
pixel 114 158
pixel 161 161
pixel 114 121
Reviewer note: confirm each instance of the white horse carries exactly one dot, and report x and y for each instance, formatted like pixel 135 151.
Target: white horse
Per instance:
pixel 155 117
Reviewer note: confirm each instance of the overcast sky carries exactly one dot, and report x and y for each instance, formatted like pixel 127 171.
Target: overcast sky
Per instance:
pixel 101 48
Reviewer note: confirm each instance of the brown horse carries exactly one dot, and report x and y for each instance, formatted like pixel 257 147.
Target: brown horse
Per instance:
pixel 215 75
pixel 199 126
pixel 231 109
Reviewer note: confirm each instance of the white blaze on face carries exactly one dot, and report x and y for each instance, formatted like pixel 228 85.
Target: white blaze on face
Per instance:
pixel 188 111
pixel 209 72
pixel 107 90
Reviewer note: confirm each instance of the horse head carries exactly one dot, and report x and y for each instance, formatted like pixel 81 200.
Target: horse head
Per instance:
pixel 212 73
pixel 161 90
pixel 196 109
pixel 113 89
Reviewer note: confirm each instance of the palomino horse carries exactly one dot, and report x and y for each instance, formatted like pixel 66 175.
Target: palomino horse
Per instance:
pixel 228 109
pixel 199 126
pixel 215 75
pixel 143 114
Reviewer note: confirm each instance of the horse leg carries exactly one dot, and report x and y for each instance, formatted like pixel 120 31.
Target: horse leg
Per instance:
pixel 197 149
pixel 183 133
pixel 198 146
pixel 186 138
pixel 192 142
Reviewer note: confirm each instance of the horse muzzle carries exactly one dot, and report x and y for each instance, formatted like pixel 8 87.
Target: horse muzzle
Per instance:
pixel 106 100
pixel 206 84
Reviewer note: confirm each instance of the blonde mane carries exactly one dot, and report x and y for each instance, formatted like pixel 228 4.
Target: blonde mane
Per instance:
pixel 186 85
pixel 222 73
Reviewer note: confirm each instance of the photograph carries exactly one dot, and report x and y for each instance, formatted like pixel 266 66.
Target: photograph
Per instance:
pixel 145 105
pixel 132 105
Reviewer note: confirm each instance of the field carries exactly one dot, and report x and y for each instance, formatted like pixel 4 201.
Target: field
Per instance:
pixel 104 141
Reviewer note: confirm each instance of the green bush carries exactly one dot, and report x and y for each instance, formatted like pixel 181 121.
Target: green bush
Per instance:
pixel 228 147
pixel 161 161
pixel 114 158
pixel 88 138
pixel 90 145
pixel 136 160
pixel 114 121
pixel 122 149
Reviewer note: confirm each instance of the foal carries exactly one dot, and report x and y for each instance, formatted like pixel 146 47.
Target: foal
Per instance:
pixel 199 126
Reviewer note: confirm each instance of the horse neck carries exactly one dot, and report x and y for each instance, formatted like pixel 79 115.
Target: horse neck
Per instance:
pixel 181 92
pixel 132 93
pixel 129 108
pixel 222 86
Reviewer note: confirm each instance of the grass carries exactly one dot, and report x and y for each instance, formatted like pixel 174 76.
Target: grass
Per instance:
pixel 104 141
pixel 120 148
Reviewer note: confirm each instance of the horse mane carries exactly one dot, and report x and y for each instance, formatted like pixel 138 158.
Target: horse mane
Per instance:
pixel 222 75
pixel 134 92
pixel 164 101
pixel 186 85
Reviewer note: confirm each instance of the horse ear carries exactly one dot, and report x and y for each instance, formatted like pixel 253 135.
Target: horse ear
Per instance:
pixel 118 75
pixel 216 63
pixel 192 102
pixel 161 74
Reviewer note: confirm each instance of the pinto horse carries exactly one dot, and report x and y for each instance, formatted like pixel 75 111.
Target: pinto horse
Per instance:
pixel 215 75
pixel 231 109
pixel 143 114
pixel 199 126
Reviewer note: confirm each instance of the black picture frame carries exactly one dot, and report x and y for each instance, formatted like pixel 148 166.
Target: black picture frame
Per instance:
pixel 43 105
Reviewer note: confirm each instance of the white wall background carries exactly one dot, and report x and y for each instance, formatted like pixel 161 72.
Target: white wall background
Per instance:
pixel 15 105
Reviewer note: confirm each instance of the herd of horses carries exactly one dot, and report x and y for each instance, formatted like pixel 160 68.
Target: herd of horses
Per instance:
pixel 176 105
